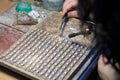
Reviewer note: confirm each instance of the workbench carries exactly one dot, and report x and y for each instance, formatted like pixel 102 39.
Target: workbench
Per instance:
pixel 8 30
pixel 10 33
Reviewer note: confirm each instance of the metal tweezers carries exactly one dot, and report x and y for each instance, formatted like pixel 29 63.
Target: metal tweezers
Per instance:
pixel 64 21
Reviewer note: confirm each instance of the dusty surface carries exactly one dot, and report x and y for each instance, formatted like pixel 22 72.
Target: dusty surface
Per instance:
pixel 53 22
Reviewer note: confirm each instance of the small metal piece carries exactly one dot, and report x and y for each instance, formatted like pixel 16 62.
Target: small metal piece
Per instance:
pixel 90 27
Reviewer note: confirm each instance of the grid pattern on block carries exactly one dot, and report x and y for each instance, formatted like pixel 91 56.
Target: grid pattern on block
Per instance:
pixel 40 56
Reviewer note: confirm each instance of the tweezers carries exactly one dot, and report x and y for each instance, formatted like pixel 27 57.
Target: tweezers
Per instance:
pixel 64 21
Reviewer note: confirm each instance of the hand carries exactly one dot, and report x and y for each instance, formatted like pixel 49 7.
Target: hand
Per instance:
pixel 107 71
pixel 67 8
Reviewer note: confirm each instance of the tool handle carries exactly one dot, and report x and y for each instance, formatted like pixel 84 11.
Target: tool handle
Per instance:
pixel 74 34
pixel 65 19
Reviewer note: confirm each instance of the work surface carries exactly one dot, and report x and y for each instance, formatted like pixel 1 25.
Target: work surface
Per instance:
pixel 5 5
pixel 9 36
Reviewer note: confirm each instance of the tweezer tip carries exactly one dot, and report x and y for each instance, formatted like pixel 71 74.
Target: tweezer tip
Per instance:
pixel 64 37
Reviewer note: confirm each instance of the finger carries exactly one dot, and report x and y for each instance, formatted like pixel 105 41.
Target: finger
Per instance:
pixel 100 61
pixel 68 6
pixel 67 2
pixel 73 14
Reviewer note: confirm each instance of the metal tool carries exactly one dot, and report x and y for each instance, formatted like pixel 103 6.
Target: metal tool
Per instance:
pixel 85 31
pixel 64 20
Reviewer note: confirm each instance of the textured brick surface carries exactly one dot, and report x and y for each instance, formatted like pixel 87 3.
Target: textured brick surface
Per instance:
pixel 7 37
